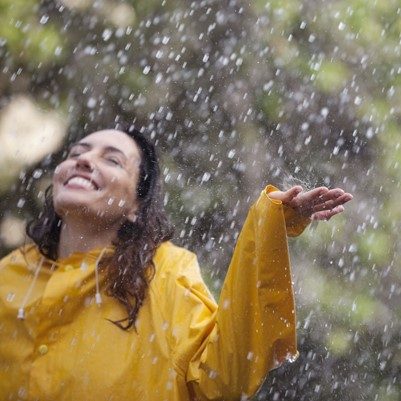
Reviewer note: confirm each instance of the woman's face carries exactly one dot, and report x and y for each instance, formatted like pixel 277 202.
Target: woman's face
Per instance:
pixel 98 179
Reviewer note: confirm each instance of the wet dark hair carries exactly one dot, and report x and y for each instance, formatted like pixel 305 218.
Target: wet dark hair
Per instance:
pixel 130 268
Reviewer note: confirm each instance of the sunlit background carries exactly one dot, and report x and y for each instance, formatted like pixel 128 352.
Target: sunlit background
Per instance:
pixel 235 94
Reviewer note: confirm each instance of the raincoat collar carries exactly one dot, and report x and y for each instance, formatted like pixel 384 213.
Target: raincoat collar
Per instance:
pixel 32 257
pixel 77 258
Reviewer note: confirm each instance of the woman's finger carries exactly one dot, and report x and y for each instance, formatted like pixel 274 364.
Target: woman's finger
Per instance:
pixel 309 198
pixel 332 203
pixel 292 193
pixel 332 194
pixel 327 214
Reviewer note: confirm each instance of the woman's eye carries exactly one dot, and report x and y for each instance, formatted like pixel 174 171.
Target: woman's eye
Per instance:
pixel 114 161
pixel 74 154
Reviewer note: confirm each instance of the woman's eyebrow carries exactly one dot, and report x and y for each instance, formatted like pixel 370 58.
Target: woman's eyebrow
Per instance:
pixel 84 144
pixel 107 148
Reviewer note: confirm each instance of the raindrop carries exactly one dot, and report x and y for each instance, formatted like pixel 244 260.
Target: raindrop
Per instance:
pixel 21 203
pixel 22 392
pixel 231 153
pixel 10 297
pixel 304 126
pixel 324 112
pixel 84 266
pixel 206 176
pixel 352 248
pixel 212 374
pixel 43 19
pixel 37 173
pixel 106 35
pixel 91 102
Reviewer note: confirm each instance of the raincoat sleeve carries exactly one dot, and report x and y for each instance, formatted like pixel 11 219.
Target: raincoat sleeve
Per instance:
pixel 225 351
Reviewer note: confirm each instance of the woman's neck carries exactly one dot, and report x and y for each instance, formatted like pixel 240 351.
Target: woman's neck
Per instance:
pixel 83 236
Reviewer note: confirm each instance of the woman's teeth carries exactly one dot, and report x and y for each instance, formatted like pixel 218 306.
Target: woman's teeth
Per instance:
pixel 81 182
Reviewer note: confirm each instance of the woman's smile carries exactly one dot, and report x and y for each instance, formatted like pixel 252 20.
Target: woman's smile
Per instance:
pixel 81 182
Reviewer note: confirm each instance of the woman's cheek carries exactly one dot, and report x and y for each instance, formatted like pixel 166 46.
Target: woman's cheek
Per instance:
pixel 60 174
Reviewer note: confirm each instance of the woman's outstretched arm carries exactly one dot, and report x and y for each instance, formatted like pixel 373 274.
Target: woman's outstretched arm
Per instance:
pixel 254 329
pixel 225 352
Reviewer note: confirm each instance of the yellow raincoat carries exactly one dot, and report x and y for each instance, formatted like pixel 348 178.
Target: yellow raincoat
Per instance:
pixel 185 348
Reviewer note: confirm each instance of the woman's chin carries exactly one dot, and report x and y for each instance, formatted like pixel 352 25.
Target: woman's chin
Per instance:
pixel 90 213
pixel 75 207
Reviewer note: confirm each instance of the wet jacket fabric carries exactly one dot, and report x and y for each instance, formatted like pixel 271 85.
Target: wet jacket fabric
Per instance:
pixel 186 347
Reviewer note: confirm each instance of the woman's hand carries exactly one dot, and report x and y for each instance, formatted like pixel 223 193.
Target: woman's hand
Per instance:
pixel 318 204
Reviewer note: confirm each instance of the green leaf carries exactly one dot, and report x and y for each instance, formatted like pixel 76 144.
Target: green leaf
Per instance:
pixel 332 76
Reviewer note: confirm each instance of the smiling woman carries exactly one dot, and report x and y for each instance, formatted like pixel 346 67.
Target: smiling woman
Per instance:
pixel 102 263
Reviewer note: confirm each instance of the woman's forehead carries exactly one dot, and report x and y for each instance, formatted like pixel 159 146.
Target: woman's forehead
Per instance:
pixel 113 138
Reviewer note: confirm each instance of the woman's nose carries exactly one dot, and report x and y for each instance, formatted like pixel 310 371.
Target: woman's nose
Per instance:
pixel 85 162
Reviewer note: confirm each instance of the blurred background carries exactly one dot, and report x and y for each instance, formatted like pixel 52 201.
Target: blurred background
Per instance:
pixel 235 94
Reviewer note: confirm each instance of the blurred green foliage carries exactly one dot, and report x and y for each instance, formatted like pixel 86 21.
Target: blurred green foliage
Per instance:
pixel 26 38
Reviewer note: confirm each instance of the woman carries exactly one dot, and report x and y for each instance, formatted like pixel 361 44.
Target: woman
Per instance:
pixel 102 265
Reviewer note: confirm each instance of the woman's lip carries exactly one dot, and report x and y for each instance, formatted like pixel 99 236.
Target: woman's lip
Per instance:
pixel 81 186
